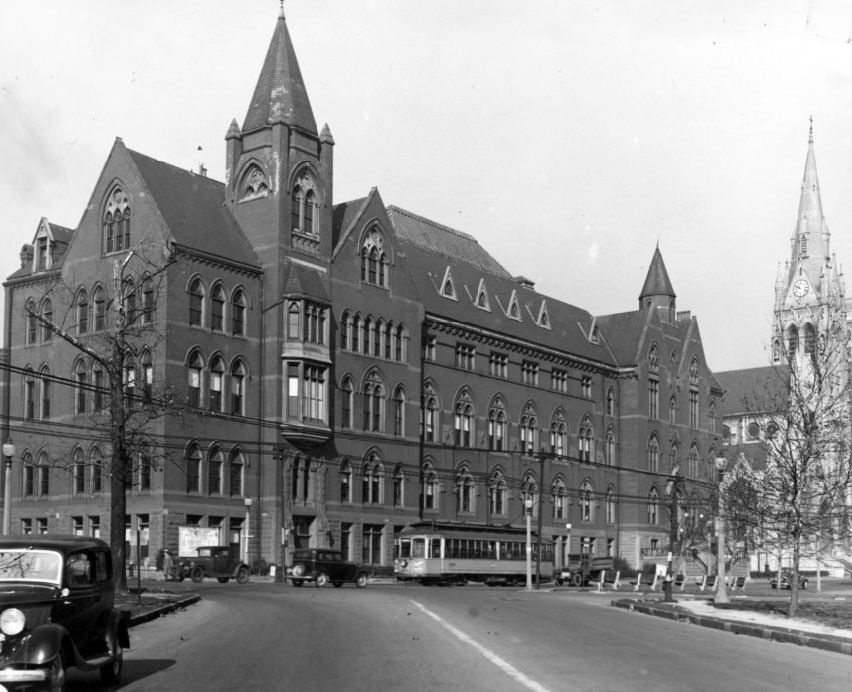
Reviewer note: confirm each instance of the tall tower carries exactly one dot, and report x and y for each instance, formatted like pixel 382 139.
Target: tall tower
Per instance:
pixel 279 169
pixel 809 290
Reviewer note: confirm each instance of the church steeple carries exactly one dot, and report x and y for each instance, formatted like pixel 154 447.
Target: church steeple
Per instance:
pixel 657 291
pixel 280 94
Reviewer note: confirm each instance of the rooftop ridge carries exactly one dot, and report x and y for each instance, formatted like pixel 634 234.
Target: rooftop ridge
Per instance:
pixel 443 227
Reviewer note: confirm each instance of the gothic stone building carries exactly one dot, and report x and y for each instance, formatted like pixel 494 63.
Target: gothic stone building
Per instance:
pixel 329 372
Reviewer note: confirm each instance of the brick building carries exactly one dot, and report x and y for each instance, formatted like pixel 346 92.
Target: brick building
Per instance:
pixel 327 372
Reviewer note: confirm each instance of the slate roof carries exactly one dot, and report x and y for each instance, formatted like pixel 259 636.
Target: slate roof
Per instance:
pixel 443 240
pixel 193 207
pixel 753 390
pixel 657 282
pixel 622 332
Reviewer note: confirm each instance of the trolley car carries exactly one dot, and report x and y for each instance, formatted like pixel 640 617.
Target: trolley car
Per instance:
pixel 452 553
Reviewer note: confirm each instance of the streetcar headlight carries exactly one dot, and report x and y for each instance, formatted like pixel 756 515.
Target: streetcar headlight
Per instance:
pixel 12 622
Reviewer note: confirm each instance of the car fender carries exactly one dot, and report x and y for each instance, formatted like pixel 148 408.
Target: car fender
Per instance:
pixel 119 622
pixel 42 646
pixel 238 567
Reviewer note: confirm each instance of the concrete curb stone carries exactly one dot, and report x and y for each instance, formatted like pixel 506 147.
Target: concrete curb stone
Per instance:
pixel 787 635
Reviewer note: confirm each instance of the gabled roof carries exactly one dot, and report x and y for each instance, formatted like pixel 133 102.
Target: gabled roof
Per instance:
pixel 622 331
pixel 280 94
pixel 754 390
pixel 193 207
pixel 443 240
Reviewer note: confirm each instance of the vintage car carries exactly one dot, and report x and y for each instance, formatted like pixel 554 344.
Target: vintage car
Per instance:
pixel 57 598
pixel 220 561
pixel 787 580
pixel 323 565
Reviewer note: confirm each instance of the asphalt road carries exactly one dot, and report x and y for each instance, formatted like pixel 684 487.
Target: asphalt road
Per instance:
pixel 408 637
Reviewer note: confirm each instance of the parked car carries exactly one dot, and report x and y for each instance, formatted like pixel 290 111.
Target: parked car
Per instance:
pixel 322 565
pixel 220 561
pixel 787 580
pixel 580 569
pixel 57 597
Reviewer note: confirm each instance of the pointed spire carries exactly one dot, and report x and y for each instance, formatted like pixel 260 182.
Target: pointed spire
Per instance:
pixel 657 281
pixel 280 94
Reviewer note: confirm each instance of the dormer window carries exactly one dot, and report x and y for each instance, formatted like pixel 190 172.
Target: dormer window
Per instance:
pixel 116 222
pixel 41 254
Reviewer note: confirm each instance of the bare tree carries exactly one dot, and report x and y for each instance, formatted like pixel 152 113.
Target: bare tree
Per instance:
pixel 802 417
pixel 121 346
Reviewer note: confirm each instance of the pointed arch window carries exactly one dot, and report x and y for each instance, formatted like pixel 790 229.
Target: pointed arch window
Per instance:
pixel 43 475
pixel 653 507
pixel 497 492
pixel 792 341
pixel 345 481
pixel 465 491
pixel 529 493
pixel 238 313
pixel 45 388
pixel 81 384
pixel 586 492
pixel 236 473
pixel 398 486
pixel 528 430
pixel 254 184
pixel 610 402
pixel 692 459
pixel 29 394
pixel 97 471
pixel 431 416
pixel 129 381
pixel 31 322
pixel 196 302
pixel 585 437
pixel 399 412
pixel 217 308
pixel 82 312
pixel 610 505
pixel 148 300
pixel 215 466
pixel 558 435
pixel 374 260
pixel 653 454
pixel 346 401
pixel 463 420
pixel 28 489
pixel 193 469
pixel 99 300
pixel 373 404
pixel 673 409
pixel 303 203
pixel 497 426
pixel 217 379
pixel 674 455
pixel 79 473
pixel 559 499
pixel 194 367
pixel 431 487
pixel 116 221
pixel 47 317
pixel 238 388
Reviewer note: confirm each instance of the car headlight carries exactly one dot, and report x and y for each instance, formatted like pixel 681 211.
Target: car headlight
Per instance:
pixel 12 622
pixel 298 570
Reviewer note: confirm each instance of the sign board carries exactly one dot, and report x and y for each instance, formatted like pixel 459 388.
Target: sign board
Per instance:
pixel 192 537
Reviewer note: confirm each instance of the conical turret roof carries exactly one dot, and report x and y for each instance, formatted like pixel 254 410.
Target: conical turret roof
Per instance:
pixel 280 94
pixel 657 281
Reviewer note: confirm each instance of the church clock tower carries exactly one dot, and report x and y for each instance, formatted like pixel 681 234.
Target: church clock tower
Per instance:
pixel 809 290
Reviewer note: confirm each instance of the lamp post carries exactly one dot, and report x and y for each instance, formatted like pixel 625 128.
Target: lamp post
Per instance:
pixel 247 502
pixel 528 504
pixel 721 585
pixel 8 453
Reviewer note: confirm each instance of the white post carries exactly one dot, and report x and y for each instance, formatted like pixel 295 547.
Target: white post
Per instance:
pixel 721 587
pixel 528 513
pixel 8 453
pixel 246 527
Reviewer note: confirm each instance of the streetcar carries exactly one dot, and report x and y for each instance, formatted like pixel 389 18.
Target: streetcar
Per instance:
pixel 455 554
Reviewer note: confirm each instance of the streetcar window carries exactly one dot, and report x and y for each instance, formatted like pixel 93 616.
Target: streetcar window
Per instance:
pixel 403 548
pixel 418 547
pixel 490 550
pixel 434 547
pixel 452 548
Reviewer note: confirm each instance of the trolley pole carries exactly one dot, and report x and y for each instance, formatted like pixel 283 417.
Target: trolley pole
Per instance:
pixel 528 512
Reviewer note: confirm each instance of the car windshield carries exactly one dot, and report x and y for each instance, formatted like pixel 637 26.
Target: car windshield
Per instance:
pixel 30 565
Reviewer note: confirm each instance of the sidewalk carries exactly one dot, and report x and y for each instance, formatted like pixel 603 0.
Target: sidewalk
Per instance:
pixel 153 604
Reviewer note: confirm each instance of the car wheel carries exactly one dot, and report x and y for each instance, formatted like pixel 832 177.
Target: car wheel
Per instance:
pixel 361 581
pixel 222 580
pixel 197 575
pixel 242 575
pixel 337 584
pixel 805 584
pixel 297 582
pixel 56 674
pixel 111 673
pixel 577 579
pixel 322 579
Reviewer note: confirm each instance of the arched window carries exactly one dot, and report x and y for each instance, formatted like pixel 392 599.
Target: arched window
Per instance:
pixel 528 430
pixel 585 436
pixel 82 312
pixel 79 473
pixel 497 426
pixel 47 317
pixel 346 401
pixel 610 505
pixel 431 488
pixel 97 463
pixel 194 367
pixel 693 461
pixel 303 203
pixel 465 491
pixel 128 296
pixel 711 416
pixel 215 465
pixel 559 499
pixel 399 349
pixel 45 387
pixel 31 322
pixel 559 435
pixel 610 447
pixel 374 401
pixel 43 475
pixel 586 512
pixel 254 184
pixel 238 388
pixel 217 378
pixel 346 481
pixel 610 403
pixel 372 481
pixel 355 334
pixel 374 259
pixel 497 491
pixel 399 411
pixel 116 221
pixel 148 302
pixel 673 409
pixel 236 474
pixel 653 454
pixel 147 376
pixel 196 302
pixel 694 373
pixel 654 359
pixel 29 394
pixel 463 420
pixel 792 341
pixel 217 308
pixel 28 489
pixel 294 315
pixel 653 507
pixel 369 335
pixel 344 331
pixel 128 381
pixel 398 486
pixel 674 456
pixel 193 468
pixel 809 335
pixel 238 313
pixel 99 300
pixel 81 387
pixel 529 494
pixel 431 415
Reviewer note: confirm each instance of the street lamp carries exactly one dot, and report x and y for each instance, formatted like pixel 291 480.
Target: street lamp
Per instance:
pixel 721 586
pixel 247 502
pixel 8 453
pixel 528 504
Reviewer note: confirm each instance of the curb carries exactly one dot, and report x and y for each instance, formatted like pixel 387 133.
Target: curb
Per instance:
pixel 826 642
pixel 154 612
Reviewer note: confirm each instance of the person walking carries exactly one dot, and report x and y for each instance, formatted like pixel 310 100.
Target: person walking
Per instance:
pixel 168 566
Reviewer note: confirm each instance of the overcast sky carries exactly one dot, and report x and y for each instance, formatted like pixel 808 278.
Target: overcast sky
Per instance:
pixel 568 137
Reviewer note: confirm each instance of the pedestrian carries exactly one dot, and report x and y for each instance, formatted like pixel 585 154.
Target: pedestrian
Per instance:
pixel 168 566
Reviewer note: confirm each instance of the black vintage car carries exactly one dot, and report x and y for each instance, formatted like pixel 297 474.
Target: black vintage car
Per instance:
pixel 220 561
pixel 322 565
pixel 57 598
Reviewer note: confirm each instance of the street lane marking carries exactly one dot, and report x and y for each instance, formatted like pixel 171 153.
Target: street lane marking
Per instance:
pixel 503 665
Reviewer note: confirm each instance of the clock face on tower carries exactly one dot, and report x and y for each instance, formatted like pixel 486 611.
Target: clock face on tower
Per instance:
pixel 800 288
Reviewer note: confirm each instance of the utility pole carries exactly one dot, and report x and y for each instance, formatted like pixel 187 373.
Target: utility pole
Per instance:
pixel 672 488
pixel 540 506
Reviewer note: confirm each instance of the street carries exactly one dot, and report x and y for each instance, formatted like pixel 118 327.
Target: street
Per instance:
pixel 265 636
